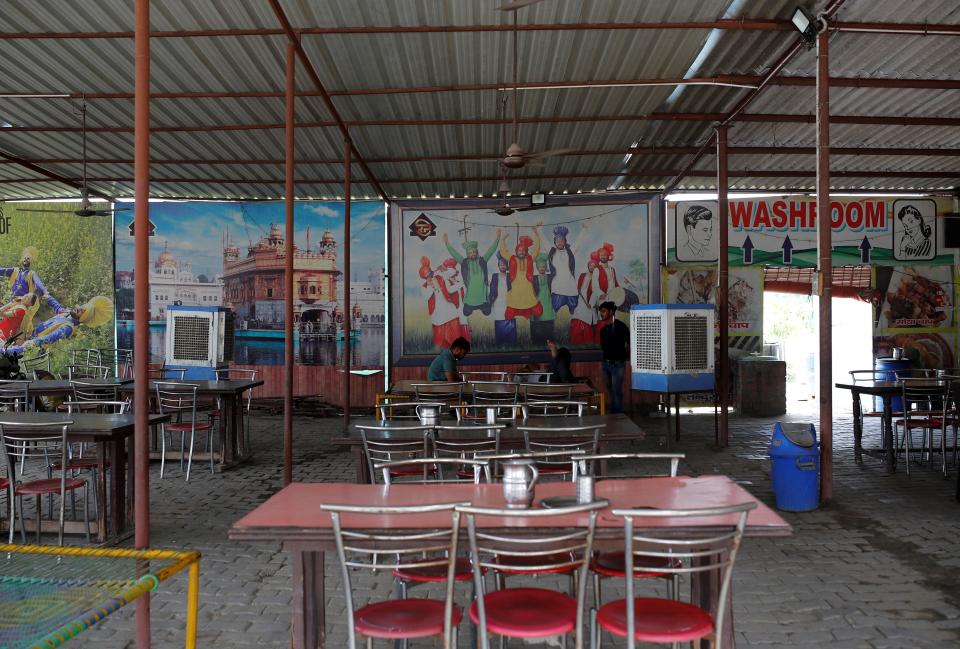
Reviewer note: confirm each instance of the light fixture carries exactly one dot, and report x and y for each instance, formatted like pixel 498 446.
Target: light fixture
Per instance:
pixel 538 199
pixel 805 24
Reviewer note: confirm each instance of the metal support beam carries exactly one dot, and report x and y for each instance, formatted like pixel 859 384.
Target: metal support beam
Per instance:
pixel 347 148
pixel 825 264
pixel 723 284
pixel 293 37
pixel 141 301
pixel 289 195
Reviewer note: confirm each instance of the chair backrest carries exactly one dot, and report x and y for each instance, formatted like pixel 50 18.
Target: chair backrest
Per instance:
pixel 925 398
pixel 39 361
pixel 548 392
pixel 483 376
pixel 565 442
pixel 85 356
pixel 15 396
pixel 81 372
pixel 363 548
pixel 454 447
pixel 914 373
pixel 494 392
pixel 434 470
pixel 239 374
pixel 681 550
pixel 478 411
pixel 177 399
pixel 379 451
pixel 445 392
pixel 868 376
pixel 405 409
pixel 120 361
pixel 515 550
pixel 102 407
pixel 166 373
pixel 84 391
pixel 21 441
pixel 554 409
pixel 533 376
pixel 587 464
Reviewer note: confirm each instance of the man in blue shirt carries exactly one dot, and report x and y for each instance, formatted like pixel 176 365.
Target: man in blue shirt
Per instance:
pixel 444 366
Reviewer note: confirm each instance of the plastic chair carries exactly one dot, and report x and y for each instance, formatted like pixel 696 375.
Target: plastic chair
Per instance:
pixel 546 392
pixel 652 619
pixel 22 441
pixel 925 404
pixel 378 451
pixel 431 470
pixel 555 409
pixel 433 551
pixel 530 613
pixel 450 393
pixel 180 401
pixel 576 440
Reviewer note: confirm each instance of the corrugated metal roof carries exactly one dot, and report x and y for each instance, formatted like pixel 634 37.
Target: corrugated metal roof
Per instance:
pixel 192 163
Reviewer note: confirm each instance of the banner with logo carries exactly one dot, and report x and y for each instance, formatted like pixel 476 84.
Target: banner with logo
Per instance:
pixel 782 231
pixel 511 283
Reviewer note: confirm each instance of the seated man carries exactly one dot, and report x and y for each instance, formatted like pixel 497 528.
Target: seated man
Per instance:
pixel 444 366
pixel 95 312
pixel 560 364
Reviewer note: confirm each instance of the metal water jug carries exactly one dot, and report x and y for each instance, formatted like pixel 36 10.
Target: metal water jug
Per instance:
pixel 428 414
pixel 519 478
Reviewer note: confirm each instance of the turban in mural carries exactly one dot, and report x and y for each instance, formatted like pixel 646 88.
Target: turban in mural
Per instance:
pixel 595 257
pixel 96 311
pixel 608 248
pixel 523 244
pixel 30 253
pixel 424 268
pixel 470 246
pixel 542 259
pixel 449 263
pixel 501 260
pixel 560 232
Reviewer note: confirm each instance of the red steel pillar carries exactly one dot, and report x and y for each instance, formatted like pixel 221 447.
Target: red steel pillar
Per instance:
pixel 347 155
pixel 723 282
pixel 289 194
pixel 825 263
pixel 141 298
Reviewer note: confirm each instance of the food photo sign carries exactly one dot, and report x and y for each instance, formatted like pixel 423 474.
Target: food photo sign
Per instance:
pixel 783 231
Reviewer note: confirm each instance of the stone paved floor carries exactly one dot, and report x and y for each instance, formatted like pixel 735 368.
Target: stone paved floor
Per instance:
pixel 877 568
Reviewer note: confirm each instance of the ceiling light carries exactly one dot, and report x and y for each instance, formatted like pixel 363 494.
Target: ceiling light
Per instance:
pixel 805 24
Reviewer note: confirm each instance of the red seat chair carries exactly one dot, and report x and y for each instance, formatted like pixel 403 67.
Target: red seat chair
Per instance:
pixel 714 549
pixel 180 401
pixel 524 612
pixel 434 552
pixel 577 440
pixel 926 406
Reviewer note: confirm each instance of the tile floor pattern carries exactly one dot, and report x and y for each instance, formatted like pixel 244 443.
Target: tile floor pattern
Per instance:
pixel 878 568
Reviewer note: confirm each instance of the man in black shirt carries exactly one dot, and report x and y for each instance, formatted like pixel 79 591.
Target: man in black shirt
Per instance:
pixel 614 340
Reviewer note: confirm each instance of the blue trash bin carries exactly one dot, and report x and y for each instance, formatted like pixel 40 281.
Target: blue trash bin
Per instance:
pixel 795 471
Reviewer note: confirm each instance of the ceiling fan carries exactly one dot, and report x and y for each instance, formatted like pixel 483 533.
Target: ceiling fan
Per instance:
pixel 516 157
pixel 86 207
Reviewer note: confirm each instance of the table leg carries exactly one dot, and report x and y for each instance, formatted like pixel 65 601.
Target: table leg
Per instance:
pixel 118 488
pixel 888 441
pixel 676 423
pixel 308 599
pixel 102 449
pixel 857 429
pixel 228 431
pixel 359 464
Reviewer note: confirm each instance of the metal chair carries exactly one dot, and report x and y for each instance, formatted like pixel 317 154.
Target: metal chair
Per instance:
pixel 470 377
pixel 430 470
pixel 434 551
pixel 555 409
pixel 39 361
pixel 22 441
pixel 180 401
pixel 575 440
pixel 546 392
pixel 15 396
pixel 81 372
pixel 450 393
pixel 119 360
pixel 587 464
pixel 84 391
pixel 379 451
pixel 390 411
pixel 712 550
pixel 925 404
pixel 480 411
pixel 533 376
pixel 466 449
pixel 164 373
pixel 494 392
pixel 530 613
pixel 88 356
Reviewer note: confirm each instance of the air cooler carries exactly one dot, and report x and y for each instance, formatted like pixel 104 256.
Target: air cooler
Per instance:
pixel 199 339
pixel 672 347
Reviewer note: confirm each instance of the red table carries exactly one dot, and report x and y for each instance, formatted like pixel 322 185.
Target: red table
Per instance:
pixel 293 516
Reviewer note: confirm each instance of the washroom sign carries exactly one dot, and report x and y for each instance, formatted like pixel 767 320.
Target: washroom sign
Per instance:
pixel 783 232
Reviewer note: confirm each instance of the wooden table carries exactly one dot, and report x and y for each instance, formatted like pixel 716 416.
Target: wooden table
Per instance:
pixel 616 428
pixel 113 435
pixel 229 394
pixel 306 531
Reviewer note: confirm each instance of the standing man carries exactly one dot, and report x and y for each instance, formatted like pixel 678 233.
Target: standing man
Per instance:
pixel 444 366
pixel 614 340
pixel 473 271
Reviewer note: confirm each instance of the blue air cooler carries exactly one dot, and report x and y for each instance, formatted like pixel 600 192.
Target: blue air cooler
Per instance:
pixel 795 469
pixel 199 339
